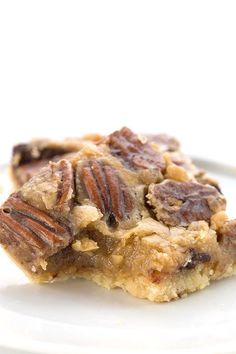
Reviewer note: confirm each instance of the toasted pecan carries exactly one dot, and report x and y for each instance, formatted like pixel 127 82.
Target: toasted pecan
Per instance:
pixel 66 186
pixel 36 151
pixel 32 230
pixel 133 152
pixel 180 203
pixel 102 185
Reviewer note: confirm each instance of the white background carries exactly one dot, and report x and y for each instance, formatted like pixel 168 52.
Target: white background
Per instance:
pixel 72 67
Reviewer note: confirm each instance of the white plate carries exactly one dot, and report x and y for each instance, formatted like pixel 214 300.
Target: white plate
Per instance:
pixel 80 317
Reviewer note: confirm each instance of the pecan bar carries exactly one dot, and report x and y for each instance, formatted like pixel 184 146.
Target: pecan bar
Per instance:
pixel 126 211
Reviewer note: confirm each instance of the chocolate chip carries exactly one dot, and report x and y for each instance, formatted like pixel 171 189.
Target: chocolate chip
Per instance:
pixel 195 258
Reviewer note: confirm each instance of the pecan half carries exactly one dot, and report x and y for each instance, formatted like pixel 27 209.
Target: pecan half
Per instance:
pixel 52 188
pixel 177 203
pixel 35 151
pixel 100 182
pixel 36 234
pixel 194 258
pixel 28 159
pixel 135 154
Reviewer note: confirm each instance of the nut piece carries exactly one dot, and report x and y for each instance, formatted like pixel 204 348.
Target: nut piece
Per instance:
pixel 177 203
pixel 84 245
pixel 183 161
pixel 83 215
pixel 227 234
pixel 117 259
pixel 99 182
pixel 177 173
pixel 133 152
pixel 63 169
pixel 43 264
pixel 31 231
pixel 218 220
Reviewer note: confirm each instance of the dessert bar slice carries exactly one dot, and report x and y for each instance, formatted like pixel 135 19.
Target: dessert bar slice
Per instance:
pixel 124 212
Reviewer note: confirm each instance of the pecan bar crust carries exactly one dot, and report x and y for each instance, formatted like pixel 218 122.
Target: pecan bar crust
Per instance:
pixel 126 211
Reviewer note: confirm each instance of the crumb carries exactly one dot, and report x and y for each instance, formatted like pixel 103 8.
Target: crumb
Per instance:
pixel 44 265
pixel 84 245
